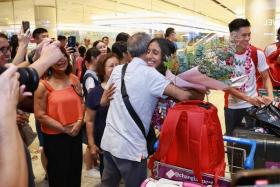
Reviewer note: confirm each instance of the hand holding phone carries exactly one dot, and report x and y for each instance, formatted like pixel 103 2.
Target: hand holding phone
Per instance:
pixel 72 43
pixel 25 26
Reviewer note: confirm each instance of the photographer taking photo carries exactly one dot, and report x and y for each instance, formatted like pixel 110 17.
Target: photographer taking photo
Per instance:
pixel 13 166
pixel 49 55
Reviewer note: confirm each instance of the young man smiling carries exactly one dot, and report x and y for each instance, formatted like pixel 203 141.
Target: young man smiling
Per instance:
pixel 248 61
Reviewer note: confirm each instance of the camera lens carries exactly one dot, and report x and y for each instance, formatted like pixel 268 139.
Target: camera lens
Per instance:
pixel 28 76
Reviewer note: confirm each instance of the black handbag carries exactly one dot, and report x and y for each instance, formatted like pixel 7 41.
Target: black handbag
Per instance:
pixel 268 115
pixel 151 136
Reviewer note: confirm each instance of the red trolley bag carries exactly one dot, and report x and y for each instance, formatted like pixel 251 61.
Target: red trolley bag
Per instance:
pixel 191 137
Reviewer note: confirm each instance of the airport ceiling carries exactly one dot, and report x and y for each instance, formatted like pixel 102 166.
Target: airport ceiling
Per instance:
pixel 89 11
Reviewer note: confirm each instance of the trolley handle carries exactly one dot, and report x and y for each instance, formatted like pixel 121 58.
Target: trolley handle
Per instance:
pixel 156 145
pixel 249 161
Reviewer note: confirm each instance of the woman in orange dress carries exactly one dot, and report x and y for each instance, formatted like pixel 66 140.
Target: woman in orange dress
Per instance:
pixel 58 107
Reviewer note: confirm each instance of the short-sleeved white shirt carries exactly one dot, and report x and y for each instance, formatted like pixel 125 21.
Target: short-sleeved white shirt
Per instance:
pixel 144 85
pixel 251 87
pixel 270 49
pixel 90 84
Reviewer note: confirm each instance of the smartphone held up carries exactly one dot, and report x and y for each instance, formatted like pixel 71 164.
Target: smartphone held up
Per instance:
pixel 25 26
pixel 72 43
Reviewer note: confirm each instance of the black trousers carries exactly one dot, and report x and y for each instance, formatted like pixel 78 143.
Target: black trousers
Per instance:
pixel 233 119
pixel 65 157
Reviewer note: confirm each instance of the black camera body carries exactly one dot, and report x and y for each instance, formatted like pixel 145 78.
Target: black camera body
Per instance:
pixel 28 77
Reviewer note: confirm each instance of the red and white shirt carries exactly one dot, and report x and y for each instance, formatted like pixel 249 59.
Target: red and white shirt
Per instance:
pixel 250 87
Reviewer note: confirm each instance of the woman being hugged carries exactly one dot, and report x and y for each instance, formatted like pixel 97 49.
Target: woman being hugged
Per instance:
pixel 159 50
pixel 59 109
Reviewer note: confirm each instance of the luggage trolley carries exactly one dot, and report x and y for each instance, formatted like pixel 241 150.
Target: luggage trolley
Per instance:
pixel 186 176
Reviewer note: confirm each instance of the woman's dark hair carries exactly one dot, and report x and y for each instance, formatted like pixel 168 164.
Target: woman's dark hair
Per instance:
pixel 100 69
pixel 2 35
pixel 69 67
pixel 96 42
pixel 91 52
pixel 119 48
pixel 167 49
pixel 82 50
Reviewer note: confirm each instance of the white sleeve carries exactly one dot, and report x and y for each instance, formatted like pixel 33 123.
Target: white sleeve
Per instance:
pixel 262 65
pixel 156 82
pixel 270 49
pixel 89 83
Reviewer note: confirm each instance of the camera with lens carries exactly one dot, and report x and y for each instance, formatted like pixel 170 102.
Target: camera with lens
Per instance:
pixel 28 76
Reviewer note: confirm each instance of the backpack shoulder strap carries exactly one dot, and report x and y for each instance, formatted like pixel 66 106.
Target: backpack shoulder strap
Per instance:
pixel 84 79
pixel 168 131
pixel 86 76
pixel 254 56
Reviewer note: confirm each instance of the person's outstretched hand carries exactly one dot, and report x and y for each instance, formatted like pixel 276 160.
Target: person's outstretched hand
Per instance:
pixel 24 38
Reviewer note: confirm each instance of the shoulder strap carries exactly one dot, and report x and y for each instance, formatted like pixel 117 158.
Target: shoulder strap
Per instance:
pixel 86 76
pixel 254 56
pixel 47 85
pixel 128 105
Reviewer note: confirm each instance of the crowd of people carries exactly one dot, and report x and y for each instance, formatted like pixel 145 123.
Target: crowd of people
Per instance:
pixel 79 100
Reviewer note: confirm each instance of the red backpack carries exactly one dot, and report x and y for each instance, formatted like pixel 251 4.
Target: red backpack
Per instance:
pixel 191 137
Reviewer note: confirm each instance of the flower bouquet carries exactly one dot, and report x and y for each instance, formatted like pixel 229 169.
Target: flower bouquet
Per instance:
pixel 211 66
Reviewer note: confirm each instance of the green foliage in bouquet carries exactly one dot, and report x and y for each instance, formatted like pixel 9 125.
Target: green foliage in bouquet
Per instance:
pixel 214 59
pixel 172 63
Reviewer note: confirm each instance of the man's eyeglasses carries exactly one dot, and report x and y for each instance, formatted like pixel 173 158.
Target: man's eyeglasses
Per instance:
pixel 4 50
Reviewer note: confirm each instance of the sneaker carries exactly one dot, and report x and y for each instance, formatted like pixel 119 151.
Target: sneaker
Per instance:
pixel 94 173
